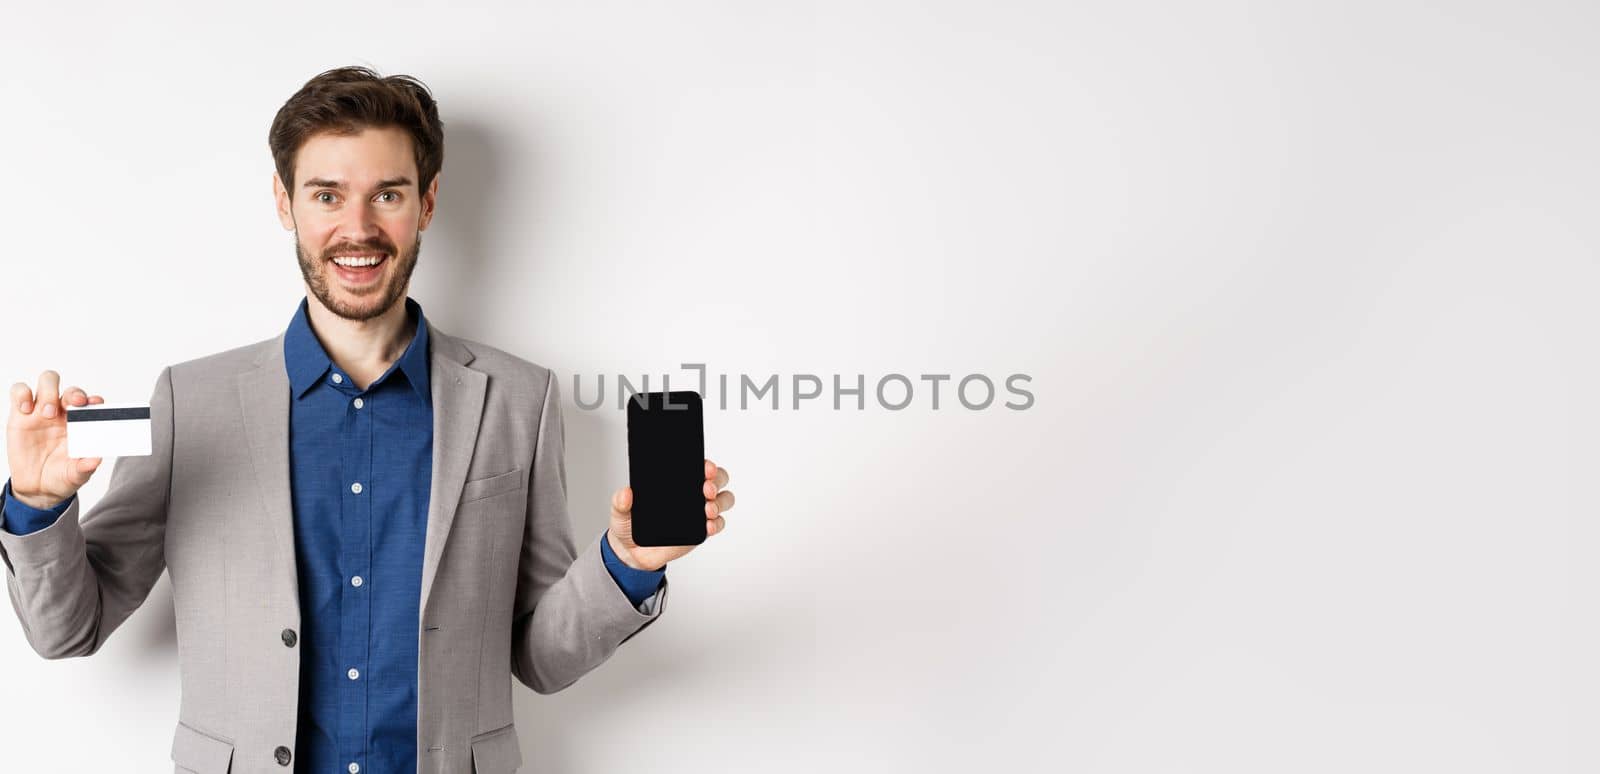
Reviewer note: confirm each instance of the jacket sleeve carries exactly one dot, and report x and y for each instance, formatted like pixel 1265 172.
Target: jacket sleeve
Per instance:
pixel 569 615
pixel 72 584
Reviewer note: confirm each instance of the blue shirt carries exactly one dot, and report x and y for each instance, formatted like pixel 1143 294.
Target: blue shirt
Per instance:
pixel 360 468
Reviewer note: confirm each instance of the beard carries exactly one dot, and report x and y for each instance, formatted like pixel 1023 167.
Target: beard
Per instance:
pixel 316 273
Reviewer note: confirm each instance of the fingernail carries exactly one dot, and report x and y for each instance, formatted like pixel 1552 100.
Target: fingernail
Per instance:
pixel 27 406
pixel 49 410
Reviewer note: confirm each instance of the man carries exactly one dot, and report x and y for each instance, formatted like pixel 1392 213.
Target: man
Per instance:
pixel 364 518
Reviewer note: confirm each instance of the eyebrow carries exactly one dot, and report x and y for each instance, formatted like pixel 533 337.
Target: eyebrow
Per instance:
pixel 338 185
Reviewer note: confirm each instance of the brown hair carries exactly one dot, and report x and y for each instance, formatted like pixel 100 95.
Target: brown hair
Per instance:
pixel 347 100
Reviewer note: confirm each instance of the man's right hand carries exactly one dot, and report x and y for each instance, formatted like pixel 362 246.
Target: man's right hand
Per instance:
pixel 42 475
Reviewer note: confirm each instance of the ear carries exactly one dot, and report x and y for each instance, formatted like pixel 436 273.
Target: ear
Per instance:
pixel 285 206
pixel 429 199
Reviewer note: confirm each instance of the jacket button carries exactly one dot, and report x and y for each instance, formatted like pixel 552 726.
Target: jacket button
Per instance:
pixel 288 638
pixel 282 754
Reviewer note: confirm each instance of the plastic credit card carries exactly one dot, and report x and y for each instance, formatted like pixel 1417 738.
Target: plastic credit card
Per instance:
pixel 108 430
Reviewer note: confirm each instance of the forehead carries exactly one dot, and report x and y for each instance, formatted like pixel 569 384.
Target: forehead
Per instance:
pixel 359 159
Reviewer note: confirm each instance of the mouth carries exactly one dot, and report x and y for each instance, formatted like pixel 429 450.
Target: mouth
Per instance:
pixel 359 269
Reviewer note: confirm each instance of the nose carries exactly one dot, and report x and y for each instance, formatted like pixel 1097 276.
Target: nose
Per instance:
pixel 360 223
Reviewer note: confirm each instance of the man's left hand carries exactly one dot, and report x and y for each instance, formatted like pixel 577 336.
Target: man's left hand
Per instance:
pixel 718 502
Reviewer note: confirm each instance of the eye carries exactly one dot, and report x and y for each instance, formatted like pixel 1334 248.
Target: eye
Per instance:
pixel 324 197
pixel 395 194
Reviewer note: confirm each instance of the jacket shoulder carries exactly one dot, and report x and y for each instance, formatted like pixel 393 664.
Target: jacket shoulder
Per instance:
pixel 499 363
pixel 229 361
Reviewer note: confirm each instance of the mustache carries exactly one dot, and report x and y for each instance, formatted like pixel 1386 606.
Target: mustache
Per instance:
pixel 370 246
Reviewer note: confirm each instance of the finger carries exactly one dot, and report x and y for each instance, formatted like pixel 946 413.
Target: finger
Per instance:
pixel 722 503
pixel 74 396
pixel 96 399
pixel 48 393
pixel 709 489
pixel 711 470
pixel 22 398
pixel 722 478
pixel 716 525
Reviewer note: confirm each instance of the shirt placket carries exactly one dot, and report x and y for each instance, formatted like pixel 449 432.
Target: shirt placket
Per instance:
pixel 355 561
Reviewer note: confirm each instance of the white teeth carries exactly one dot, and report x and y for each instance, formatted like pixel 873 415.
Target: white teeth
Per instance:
pixel 352 261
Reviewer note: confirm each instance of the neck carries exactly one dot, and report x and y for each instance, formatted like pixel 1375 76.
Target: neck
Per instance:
pixel 364 349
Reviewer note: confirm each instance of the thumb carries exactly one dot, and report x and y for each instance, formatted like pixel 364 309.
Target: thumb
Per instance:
pixel 622 504
pixel 83 468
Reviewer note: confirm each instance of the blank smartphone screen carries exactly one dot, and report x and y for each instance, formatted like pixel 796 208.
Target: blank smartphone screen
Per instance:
pixel 667 468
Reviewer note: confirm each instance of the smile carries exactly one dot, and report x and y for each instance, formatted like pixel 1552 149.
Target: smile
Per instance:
pixel 357 261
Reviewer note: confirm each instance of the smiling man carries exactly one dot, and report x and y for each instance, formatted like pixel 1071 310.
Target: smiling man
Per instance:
pixel 364 517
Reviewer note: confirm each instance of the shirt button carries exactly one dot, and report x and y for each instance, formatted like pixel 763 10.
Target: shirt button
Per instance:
pixel 337 379
pixel 353 673
pixel 356 581
pixel 354 767
pixel 359 403
pixel 356 487
pixel 288 638
pixel 282 754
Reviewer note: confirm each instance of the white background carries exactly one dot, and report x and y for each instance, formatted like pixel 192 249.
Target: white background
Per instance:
pixel 1305 290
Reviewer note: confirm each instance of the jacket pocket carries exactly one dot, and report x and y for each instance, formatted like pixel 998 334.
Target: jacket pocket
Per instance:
pixel 199 752
pixel 491 486
pixel 497 752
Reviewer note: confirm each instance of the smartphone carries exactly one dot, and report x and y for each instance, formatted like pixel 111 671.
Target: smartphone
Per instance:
pixel 667 468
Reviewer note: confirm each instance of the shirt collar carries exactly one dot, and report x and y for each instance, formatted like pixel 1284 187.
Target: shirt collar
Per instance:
pixel 306 360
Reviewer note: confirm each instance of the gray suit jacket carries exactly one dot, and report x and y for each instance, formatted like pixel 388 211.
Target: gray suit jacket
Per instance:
pixel 504 590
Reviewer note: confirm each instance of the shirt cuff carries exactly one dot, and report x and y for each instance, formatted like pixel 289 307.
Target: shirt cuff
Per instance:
pixel 19 518
pixel 638 585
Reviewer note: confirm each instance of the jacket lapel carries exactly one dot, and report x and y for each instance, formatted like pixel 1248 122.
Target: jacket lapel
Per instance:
pixel 458 393
pixel 264 404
